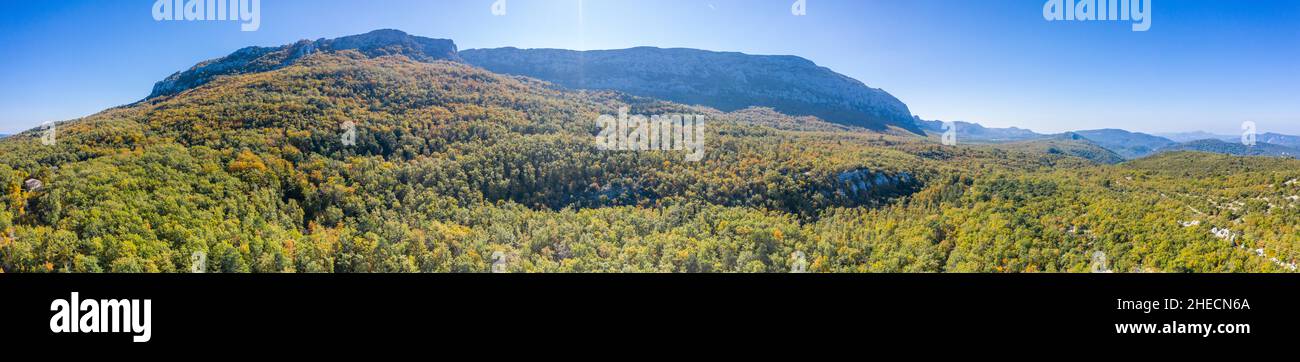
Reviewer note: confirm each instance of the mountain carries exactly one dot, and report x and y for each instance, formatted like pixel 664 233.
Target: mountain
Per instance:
pixel 1279 139
pixel 1129 145
pixel 261 59
pixel 254 168
pixel 974 132
pixel 1070 144
pixel 1181 137
pixel 725 81
pixel 722 80
pixel 1273 138
pixel 340 161
pixel 1235 148
pixel 1121 143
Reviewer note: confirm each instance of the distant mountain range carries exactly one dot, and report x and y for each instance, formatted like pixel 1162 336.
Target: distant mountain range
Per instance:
pixel 975 132
pixel 1181 137
pixel 1279 139
pixel 1129 145
pixel 1236 148
pixel 1133 145
pixel 1270 138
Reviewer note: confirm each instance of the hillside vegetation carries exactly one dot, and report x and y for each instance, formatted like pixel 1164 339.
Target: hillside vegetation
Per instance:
pixel 455 169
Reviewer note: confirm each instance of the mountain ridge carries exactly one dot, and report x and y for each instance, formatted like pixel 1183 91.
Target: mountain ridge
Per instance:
pixel 977 132
pixel 721 80
pixel 727 81
pixel 1128 144
pixel 1235 148
pixel 261 59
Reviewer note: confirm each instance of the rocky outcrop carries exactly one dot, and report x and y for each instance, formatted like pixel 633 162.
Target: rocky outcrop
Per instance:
pixel 723 80
pixel 866 182
pixel 726 81
pixel 262 59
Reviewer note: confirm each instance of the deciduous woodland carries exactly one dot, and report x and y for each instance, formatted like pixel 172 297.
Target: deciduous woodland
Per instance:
pixel 453 164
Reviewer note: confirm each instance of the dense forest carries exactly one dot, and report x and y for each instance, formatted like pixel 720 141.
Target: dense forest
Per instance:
pixel 457 169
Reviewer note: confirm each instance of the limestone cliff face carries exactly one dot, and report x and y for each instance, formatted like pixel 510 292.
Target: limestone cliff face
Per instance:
pixel 262 59
pixel 864 181
pixel 726 81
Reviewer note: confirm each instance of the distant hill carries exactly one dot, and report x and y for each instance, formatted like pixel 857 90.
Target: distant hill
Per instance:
pixel 1129 145
pixel 1214 165
pixel 1235 148
pixel 1280 140
pixel 1271 138
pixel 1069 144
pixel 1181 137
pixel 974 132
pixel 724 80
pixel 1126 144
pixel 1121 143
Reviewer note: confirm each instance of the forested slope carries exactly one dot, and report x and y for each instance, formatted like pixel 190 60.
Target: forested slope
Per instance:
pixel 453 164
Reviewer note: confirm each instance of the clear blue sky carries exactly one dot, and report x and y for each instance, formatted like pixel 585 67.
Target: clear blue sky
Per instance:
pixel 1204 65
